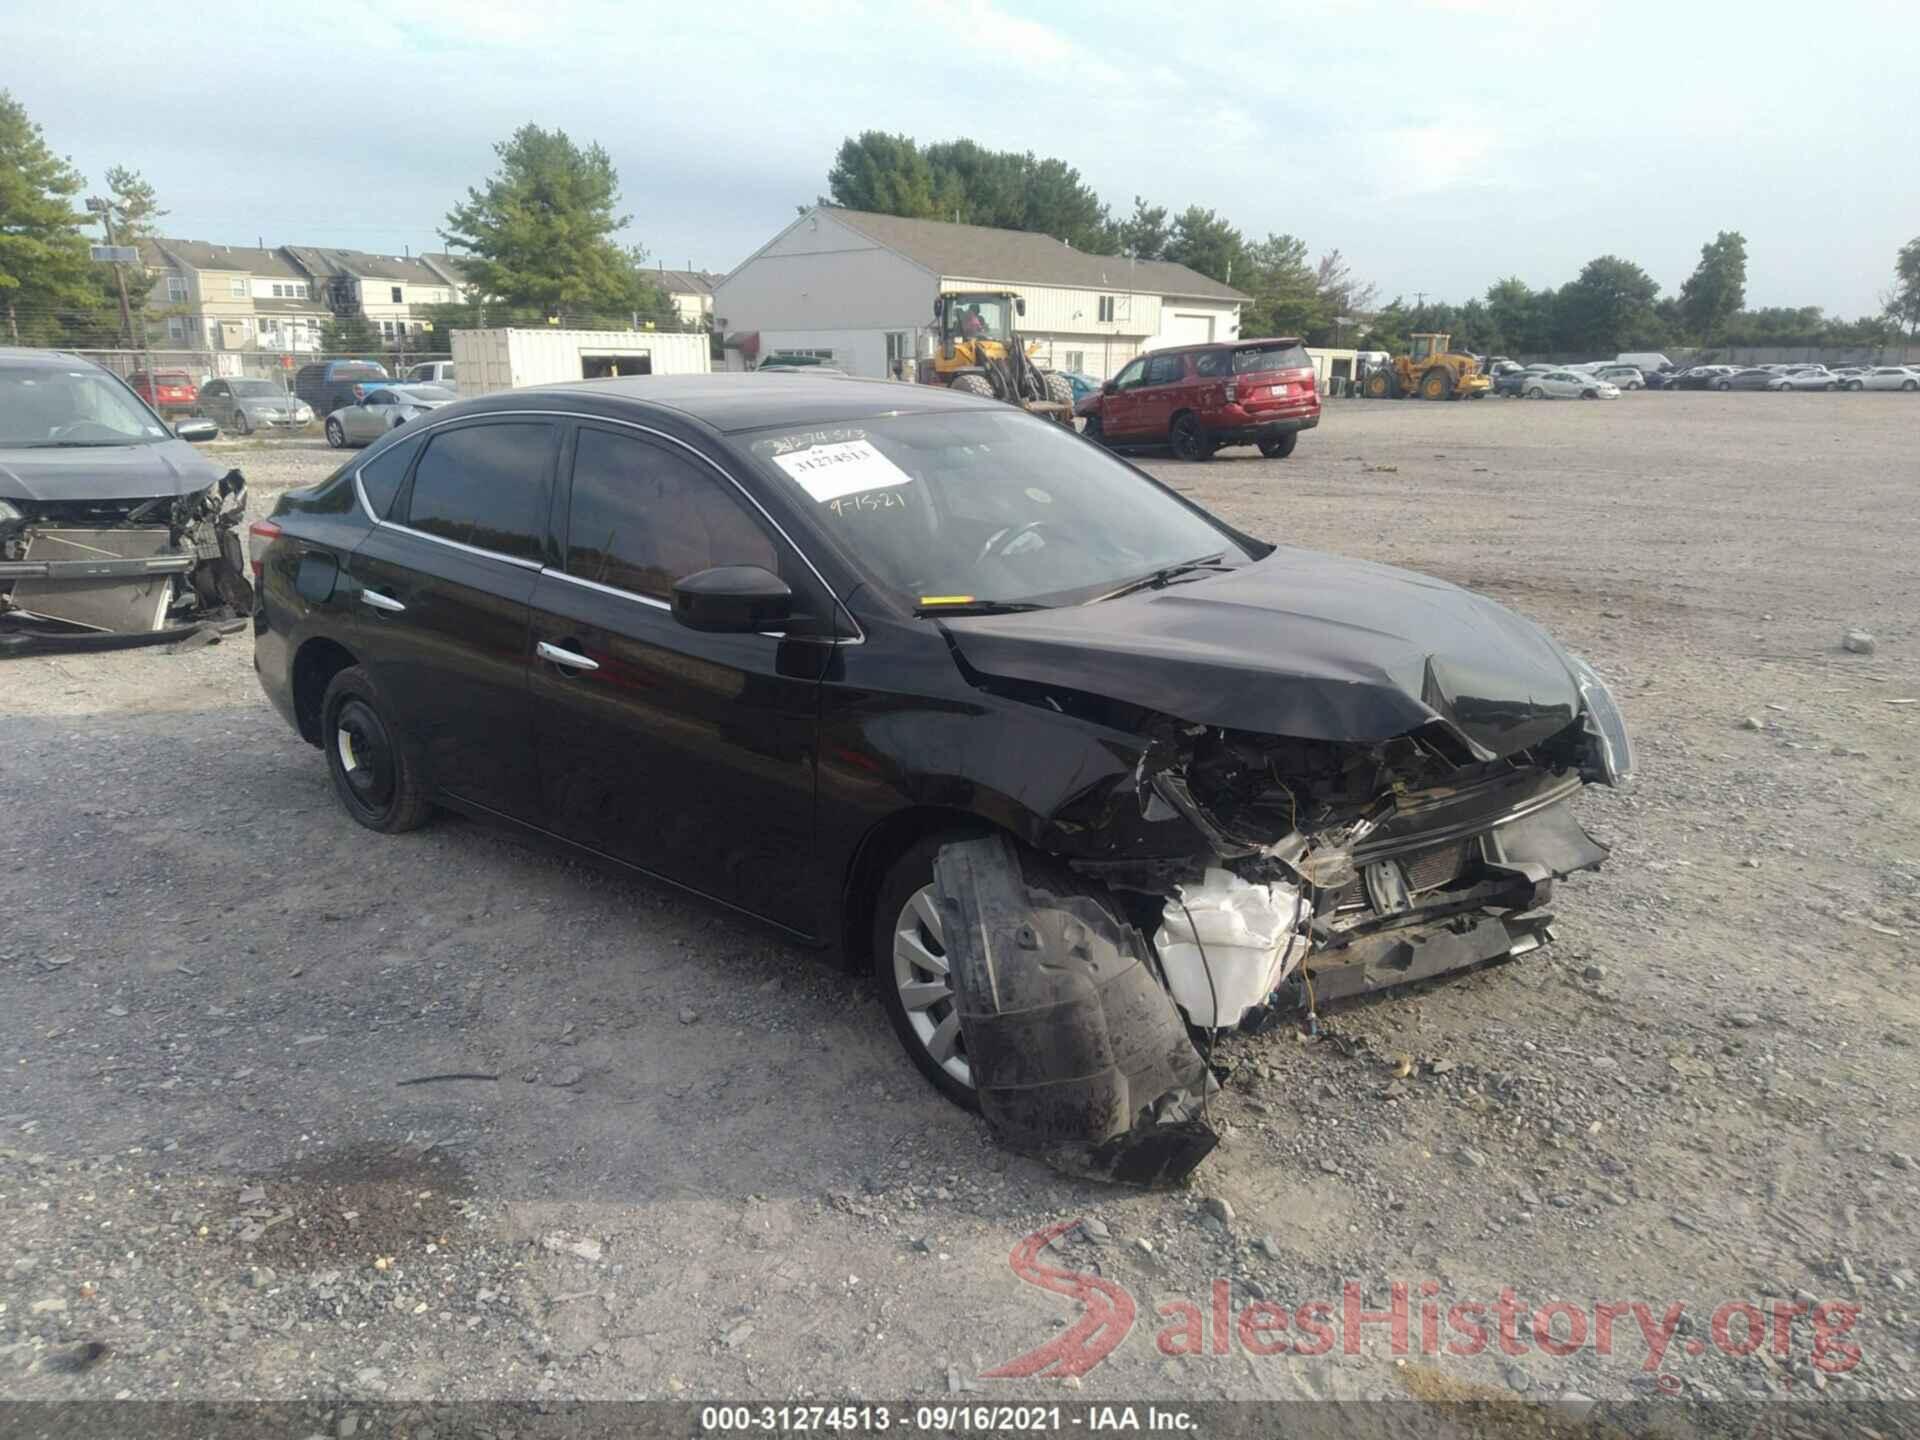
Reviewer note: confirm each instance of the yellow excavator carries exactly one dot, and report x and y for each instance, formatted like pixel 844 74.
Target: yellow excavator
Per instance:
pixel 980 352
pixel 1429 370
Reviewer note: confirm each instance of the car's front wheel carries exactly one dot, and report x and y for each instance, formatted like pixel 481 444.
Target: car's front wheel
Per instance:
pixel 242 422
pixel 1094 431
pixel 1189 439
pixel 1911 385
pixel 1536 393
pixel 336 436
pixel 1280 446
pixel 910 968
pixel 1722 385
pixel 1855 385
pixel 374 776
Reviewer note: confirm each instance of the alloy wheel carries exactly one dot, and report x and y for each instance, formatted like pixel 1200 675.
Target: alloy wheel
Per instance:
pixel 926 990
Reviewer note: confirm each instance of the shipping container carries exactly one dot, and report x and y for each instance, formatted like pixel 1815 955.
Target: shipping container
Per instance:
pixel 489 360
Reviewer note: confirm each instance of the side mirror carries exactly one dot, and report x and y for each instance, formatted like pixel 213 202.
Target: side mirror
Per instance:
pixel 1019 304
pixel 733 599
pixel 1107 387
pixel 939 306
pixel 197 432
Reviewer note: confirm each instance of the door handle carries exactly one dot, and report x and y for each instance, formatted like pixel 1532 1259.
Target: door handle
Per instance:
pixel 568 658
pixel 381 602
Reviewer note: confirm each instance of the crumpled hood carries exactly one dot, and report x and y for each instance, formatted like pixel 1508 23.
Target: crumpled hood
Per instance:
pixel 1302 644
pixel 106 472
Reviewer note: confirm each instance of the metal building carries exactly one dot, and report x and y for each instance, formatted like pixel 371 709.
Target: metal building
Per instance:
pixel 857 289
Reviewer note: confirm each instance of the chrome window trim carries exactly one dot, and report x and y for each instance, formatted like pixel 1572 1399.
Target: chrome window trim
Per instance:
pixel 613 590
pixel 857 638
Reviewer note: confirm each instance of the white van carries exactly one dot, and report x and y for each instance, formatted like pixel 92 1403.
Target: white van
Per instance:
pixel 1645 361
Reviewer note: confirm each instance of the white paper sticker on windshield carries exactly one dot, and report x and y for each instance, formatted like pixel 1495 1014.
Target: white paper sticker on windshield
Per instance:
pixel 826 472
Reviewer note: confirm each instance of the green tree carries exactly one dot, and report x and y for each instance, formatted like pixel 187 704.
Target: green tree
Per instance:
pixel 1609 308
pixel 1903 301
pixel 46 275
pixel 1717 289
pixel 1144 235
pixel 349 335
pixel 540 233
pixel 130 215
pixel 1286 297
pixel 1521 317
pixel 1208 243
pixel 885 174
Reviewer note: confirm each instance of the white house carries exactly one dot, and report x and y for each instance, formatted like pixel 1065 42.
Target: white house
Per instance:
pixel 858 289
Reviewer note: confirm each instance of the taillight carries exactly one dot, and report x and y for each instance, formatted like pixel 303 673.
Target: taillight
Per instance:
pixel 260 534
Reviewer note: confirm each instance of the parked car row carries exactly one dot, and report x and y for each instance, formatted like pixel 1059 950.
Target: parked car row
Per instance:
pixel 1796 377
pixel 1592 380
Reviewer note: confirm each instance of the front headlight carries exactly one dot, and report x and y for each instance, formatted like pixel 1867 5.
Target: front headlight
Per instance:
pixel 303 414
pixel 1604 723
pixel 8 512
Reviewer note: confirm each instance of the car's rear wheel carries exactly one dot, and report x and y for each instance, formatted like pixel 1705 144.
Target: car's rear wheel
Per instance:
pixel 1280 446
pixel 374 776
pixel 1189 438
pixel 1855 385
pixel 1911 385
pixel 336 436
pixel 910 967
pixel 1723 384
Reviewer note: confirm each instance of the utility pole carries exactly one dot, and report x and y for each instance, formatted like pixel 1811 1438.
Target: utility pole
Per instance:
pixel 104 210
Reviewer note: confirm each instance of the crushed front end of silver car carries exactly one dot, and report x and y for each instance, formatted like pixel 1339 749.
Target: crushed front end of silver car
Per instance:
pixel 91 574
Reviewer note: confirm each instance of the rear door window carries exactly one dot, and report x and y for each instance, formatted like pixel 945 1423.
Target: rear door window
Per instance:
pixel 381 476
pixel 642 516
pixel 486 486
pixel 1166 369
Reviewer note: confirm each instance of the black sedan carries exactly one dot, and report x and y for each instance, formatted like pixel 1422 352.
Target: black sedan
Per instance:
pixel 1754 378
pixel 1064 761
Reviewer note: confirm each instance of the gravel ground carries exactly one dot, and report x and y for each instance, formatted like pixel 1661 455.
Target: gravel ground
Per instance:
pixel 696 1165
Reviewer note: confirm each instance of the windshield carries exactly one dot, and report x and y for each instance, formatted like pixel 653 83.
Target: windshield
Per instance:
pixel 986 316
pixel 256 389
pixel 985 506
pixel 44 407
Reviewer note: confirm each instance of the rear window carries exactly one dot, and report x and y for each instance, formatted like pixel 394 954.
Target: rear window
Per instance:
pixel 1254 359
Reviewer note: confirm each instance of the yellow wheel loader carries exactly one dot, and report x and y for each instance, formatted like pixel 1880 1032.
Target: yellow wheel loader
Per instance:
pixel 1430 370
pixel 980 352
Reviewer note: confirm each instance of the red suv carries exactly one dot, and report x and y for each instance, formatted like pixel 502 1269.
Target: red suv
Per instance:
pixel 168 391
pixel 1200 397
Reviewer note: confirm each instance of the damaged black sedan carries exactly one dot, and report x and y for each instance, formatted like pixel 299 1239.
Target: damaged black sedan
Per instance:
pixel 113 531
pixel 1075 769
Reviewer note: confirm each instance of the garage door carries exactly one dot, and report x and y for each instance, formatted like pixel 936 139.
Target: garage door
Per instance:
pixel 1189 329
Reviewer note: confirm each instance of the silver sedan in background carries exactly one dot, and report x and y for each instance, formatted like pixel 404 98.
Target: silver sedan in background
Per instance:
pixel 381 409
pixel 245 405
pixel 1570 385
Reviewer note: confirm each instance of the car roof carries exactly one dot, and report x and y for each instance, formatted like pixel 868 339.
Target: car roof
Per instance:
pixel 42 359
pixel 750 401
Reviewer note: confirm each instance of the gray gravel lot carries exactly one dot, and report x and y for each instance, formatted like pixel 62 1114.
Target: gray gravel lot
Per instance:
pixel 704 1169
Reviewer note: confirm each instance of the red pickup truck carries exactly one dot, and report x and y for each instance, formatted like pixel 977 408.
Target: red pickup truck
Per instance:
pixel 171 392
pixel 1200 397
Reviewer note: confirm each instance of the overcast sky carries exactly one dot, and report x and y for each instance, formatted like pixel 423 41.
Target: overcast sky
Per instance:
pixel 1440 145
